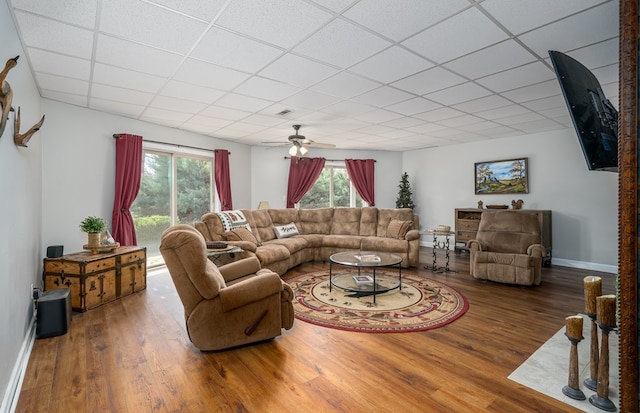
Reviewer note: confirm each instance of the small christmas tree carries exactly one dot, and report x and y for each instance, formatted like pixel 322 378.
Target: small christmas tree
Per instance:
pixel 404 195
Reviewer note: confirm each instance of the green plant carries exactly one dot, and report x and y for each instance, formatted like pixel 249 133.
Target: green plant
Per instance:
pixel 93 225
pixel 404 194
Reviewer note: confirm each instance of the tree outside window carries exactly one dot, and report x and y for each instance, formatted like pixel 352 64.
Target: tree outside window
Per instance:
pixel 332 189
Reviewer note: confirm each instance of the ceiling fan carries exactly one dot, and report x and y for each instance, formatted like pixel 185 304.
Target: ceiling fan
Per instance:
pixel 300 144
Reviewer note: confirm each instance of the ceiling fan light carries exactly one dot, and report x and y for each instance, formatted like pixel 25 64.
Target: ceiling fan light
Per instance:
pixel 303 150
pixel 293 150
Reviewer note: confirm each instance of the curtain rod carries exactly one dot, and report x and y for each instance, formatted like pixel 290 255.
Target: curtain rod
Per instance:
pixel 330 160
pixel 117 136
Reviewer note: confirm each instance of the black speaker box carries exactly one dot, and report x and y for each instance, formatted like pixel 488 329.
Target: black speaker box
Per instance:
pixel 53 313
pixel 55 251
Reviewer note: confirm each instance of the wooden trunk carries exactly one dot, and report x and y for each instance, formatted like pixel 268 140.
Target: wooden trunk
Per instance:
pixel 97 279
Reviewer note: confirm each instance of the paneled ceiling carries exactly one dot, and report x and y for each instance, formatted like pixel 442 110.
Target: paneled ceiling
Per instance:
pixel 393 75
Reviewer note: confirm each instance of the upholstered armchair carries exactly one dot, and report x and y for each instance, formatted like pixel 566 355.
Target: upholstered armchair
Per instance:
pixel 507 248
pixel 234 304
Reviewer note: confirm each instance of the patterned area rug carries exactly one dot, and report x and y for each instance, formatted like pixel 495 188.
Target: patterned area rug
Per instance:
pixel 421 304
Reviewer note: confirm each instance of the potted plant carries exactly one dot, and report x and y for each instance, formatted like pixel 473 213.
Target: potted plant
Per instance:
pixel 93 226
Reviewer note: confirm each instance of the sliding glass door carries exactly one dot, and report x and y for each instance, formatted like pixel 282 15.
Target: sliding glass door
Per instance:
pixel 175 188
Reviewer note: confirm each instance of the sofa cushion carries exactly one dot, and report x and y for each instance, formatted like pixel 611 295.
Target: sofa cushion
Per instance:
pixel 346 221
pixel 241 234
pixel 263 225
pixel 315 221
pixel 369 221
pixel 391 245
pixel 270 252
pixel 385 215
pixel 348 242
pixel 293 244
pixel 286 231
pixel 282 216
pixel 398 229
pixel 233 220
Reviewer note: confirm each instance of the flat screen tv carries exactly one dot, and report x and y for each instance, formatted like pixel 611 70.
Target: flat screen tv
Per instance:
pixel 595 119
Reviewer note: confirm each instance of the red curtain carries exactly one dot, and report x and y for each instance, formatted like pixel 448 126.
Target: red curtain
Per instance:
pixel 223 180
pixel 303 173
pixel 361 172
pixel 128 174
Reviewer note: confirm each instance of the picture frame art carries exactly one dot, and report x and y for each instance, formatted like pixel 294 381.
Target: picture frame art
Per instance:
pixel 507 176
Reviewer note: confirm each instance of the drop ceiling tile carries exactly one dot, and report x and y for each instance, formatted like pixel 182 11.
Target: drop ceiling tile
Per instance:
pixel 457 36
pixel 266 89
pixel 146 23
pixel 519 119
pixel 205 74
pixel 403 122
pixel 283 23
pixel 264 121
pixel 537 91
pixel 345 85
pixel 335 5
pixel 78 100
pixel 62 84
pixel 308 99
pixel 236 52
pixel 439 114
pixel 457 94
pixel 205 10
pixel 61 65
pixel 501 132
pixel 297 71
pixel 390 65
pixel 502 112
pixel 485 103
pixel 113 93
pixel 205 122
pixel 181 90
pixel 77 12
pixel 118 108
pixel 538 126
pixel 597 55
pixel 134 56
pixel 220 112
pixel 518 77
pixel 115 76
pixel 241 102
pixel 346 109
pixel 178 105
pixel 246 127
pixel 341 44
pixel 588 27
pixel 54 36
pixel 459 121
pixel 551 102
pixel 413 106
pixel 170 116
pixel 382 96
pixel 196 128
pixel 378 116
pixel 478 127
pixel 429 81
pixel 496 58
pixel 529 15
pixel 607 74
pixel 415 15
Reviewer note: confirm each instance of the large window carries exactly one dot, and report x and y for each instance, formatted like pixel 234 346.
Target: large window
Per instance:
pixel 332 189
pixel 175 188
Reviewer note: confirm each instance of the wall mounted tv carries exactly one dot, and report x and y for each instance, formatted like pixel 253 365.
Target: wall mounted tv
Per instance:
pixel 595 119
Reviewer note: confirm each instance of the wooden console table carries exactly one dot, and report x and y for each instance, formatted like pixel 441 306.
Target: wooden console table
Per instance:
pixel 97 279
pixel 468 219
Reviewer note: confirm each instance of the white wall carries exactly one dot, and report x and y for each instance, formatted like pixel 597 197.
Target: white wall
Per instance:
pixel 270 171
pixel 79 167
pixel 584 203
pixel 20 211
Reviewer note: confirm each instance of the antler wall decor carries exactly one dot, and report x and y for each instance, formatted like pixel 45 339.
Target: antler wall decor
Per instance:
pixel 22 139
pixel 6 93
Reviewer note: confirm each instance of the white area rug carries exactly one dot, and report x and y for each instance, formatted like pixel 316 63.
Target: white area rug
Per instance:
pixel 547 370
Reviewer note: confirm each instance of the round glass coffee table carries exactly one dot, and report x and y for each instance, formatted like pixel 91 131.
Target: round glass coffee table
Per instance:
pixel 364 282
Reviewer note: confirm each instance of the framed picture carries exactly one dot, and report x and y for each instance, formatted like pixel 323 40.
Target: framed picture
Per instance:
pixel 509 176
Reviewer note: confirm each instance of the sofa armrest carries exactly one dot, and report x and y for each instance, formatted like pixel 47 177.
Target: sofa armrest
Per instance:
pixel 245 245
pixel 412 235
pixel 250 291
pixel 536 250
pixel 475 245
pixel 240 268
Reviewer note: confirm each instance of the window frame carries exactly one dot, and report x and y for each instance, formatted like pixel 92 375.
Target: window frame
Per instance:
pixel 353 193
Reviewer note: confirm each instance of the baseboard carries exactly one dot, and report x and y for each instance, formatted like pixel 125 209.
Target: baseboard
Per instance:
pixel 11 394
pixel 593 266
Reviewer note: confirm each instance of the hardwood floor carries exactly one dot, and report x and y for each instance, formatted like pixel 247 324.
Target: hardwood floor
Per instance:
pixel 133 355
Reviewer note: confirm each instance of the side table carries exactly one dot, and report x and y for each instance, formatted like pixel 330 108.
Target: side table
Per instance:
pixel 440 244
pixel 216 255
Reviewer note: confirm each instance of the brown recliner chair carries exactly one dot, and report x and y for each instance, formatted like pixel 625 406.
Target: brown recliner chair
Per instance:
pixel 235 304
pixel 507 248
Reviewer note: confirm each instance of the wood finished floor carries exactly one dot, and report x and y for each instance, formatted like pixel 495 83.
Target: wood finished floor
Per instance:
pixel 133 355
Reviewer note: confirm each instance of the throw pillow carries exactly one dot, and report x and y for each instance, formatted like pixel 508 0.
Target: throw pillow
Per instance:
pixel 233 220
pixel 286 231
pixel 398 229
pixel 241 234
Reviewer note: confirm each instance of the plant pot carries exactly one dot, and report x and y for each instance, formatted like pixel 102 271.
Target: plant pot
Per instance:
pixel 93 239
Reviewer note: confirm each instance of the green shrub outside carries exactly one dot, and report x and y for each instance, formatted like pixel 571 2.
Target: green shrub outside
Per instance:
pixel 151 227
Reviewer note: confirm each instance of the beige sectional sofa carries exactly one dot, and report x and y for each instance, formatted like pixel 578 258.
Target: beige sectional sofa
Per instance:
pixel 317 233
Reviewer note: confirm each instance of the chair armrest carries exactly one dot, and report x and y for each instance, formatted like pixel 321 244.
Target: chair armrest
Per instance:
pixel 412 234
pixel 245 245
pixel 240 268
pixel 250 291
pixel 475 245
pixel 536 250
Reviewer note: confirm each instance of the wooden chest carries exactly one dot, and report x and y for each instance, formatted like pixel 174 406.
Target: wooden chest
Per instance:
pixel 97 279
